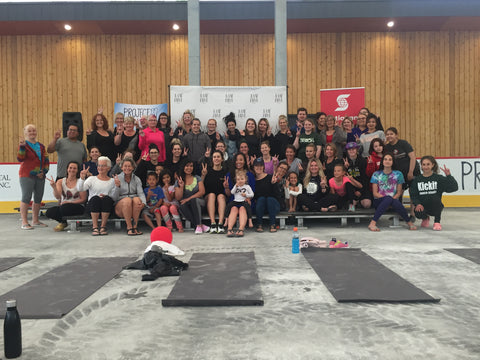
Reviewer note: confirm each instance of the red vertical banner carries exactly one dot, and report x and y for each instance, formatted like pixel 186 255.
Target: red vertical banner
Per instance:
pixel 342 102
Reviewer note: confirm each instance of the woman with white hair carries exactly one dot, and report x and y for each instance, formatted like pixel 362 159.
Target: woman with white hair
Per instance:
pixel 102 194
pixel 34 166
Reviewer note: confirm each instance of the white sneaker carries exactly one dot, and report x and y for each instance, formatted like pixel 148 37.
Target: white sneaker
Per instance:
pixel 198 230
pixel 213 229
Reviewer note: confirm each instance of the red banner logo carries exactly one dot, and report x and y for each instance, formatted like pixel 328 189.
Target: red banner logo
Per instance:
pixel 342 102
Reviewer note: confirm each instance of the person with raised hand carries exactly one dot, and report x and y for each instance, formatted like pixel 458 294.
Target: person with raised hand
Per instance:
pixel 267 197
pixel 125 133
pixel 68 149
pixel 309 136
pixel 426 191
pixel 100 136
pixel 213 177
pixel 189 192
pixel 184 126
pixel 34 165
pixel 131 199
pixel 70 200
pixel 333 134
pixel 152 135
pixel 373 131
pixel 283 138
pixel 102 194
pixel 387 188
pixel 252 137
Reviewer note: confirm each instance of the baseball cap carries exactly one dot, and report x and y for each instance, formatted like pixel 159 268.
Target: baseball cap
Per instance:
pixel 258 162
pixel 351 145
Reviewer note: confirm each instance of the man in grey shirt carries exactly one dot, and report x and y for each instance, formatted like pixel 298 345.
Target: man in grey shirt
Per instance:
pixel 68 149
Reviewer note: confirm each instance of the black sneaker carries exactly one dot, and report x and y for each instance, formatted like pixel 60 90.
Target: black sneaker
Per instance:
pixel 220 229
pixel 213 228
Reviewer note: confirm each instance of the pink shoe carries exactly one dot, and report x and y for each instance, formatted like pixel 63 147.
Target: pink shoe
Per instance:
pixel 205 228
pixel 437 227
pixel 425 222
pixel 198 230
pixel 339 244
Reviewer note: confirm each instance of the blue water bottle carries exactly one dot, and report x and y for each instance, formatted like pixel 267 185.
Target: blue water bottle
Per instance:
pixel 295 242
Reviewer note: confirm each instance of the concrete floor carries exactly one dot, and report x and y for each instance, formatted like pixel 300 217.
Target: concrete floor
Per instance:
pixel 300 318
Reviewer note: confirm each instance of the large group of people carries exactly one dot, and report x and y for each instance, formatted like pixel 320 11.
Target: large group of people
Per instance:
pixel 149 170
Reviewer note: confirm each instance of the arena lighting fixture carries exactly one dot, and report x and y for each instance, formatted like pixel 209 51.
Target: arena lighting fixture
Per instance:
pixel 67 27
pixel 175 27
pixel 390 23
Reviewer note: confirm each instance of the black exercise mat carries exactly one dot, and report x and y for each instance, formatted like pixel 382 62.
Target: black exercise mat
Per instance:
pixel 353 276
pixel 469 254
pixel 54 294
pixel 217 279
pixel 7 263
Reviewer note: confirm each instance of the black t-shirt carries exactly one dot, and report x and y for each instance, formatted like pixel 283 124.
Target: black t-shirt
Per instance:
pixel 329 167
pixel 142 170
pixel 400 153
pixel 264 187
pixel 253 145
pixel 214 181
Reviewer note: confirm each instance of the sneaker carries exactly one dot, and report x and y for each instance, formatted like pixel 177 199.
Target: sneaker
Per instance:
pixel 437 227
pixel 60 227
pixel 332 242
pixel 339 244
pixel 425 222
pixel 205 228
pixel 220 229
pixel 213 229
pixel 198 230
pixel 351 208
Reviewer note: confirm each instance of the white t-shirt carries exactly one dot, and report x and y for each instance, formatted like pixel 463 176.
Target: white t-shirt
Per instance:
pixel 238 191
pixel 98 187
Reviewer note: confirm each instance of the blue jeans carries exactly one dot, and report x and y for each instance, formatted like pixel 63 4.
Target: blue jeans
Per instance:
pixel 382 204
pixel 271 205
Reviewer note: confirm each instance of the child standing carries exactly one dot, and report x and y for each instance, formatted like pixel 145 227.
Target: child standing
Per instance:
pixel 293 188
pixel 239 206
pixel 169 209
pixel 154 196
pixel 343 186
pixel 427 189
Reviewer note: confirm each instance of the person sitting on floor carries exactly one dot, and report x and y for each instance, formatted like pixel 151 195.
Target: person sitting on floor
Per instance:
pixel 426 191
pixel 387 186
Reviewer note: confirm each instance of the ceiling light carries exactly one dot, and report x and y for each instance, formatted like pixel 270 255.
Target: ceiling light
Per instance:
pixel 175 27
pixel 67 27
pixel 390 24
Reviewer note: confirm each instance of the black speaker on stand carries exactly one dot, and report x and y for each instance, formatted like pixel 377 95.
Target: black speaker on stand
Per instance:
pixel 73 118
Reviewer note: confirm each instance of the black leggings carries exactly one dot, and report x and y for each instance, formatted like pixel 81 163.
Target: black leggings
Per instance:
pixel 348 198
pixel 99 204
pixel 192 210
pixel 316 205
pixel 58 212
pixel 434 208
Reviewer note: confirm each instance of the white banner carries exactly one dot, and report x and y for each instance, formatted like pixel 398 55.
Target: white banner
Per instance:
pixel 216 102
pixel 137 111
pixel 10 185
